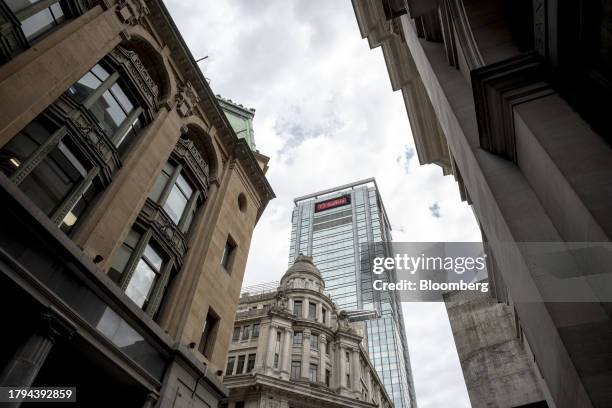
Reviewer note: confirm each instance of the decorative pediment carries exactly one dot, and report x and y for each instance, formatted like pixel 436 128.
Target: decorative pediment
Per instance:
pixel 137 73
pixel 189 154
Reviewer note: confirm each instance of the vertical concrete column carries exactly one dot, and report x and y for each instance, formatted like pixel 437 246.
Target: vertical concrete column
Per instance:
pixel 342 366
pixel 306 354
pixel 322 347
pixel 305 308
pixel 23 368
pixel 355 371
pixel 286 354
pixel 261 347
pixel 319 313
pixel 270 349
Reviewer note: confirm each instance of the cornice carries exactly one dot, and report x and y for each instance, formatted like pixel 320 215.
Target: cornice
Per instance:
pixel 181 55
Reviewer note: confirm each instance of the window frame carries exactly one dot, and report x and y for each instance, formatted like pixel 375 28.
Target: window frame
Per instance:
pixel 160 284
pixel 296 368
pixel 313 368
pixel 194 202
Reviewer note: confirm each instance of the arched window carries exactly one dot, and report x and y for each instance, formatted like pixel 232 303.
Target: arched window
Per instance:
pixel 117 114
pixel 161 228
pixel 69 153
pixel 26 21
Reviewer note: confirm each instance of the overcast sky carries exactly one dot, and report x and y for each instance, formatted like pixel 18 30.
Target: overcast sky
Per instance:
pixel 326 115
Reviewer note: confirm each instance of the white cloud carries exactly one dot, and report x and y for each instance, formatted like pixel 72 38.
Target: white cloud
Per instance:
pixel 326 115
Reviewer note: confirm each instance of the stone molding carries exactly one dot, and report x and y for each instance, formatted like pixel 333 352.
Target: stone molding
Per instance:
pixel 186 99
pixel 137 74
pixel 497 88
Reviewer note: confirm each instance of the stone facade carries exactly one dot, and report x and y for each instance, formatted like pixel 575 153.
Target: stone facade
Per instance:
pixel 510 97
pixel 497 365
pixel 291 347
pixel 128 206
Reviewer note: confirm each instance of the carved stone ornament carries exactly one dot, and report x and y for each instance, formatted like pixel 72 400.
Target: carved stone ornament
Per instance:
pixel 132 11
pixel 186 99
pixel 137 73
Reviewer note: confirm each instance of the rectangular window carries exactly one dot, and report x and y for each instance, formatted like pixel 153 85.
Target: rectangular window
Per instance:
pixel 276 360
pixel 209 333
pixel 228 254
pixel 296 369
pixel 229 369
pixel 327 348
pixel 240 366
pixel 314 341
pixel 297 338
pixel 146 273
pixel 312 311
pixel 124 253
pixel 239 404
pixel 327 377
pixel 250 363
pixel 246 332
pixel 314 373
pixel 51 170
pixel 297 308
pixel 324 314
pixel 37 18
pixel 236 335
pixel 255 331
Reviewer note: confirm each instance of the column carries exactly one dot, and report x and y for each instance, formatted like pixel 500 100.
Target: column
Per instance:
pixel 306 355
pixel 270 349
pixel 286 355
pixel 261 347
pixel 22 369
pixel 342 369
pixel 322 347
pixel 355 371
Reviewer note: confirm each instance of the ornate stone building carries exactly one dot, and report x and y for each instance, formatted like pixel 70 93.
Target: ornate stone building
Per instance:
pixel 127 207
pixel 291 347
pixel 513 98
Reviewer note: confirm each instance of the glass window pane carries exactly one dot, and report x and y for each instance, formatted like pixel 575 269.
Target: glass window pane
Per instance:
pixel 119 263
pixel 18 5
pixel 132 239
pixel 175 204
pixel 158 187
pixel 52 180
pixel 184 186
pixel 108 112
pixel 84 87
pixel 22 146
pixel 37 23
pixel 130 134
pixel 122 98
pixel 153 257
pixel 58 13
pixel 141 283
pixel 100 72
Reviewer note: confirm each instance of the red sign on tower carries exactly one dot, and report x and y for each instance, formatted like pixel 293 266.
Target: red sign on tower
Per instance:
pixel 334 202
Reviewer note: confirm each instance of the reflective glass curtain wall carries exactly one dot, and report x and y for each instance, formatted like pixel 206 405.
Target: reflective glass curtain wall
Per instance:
pixel 337 229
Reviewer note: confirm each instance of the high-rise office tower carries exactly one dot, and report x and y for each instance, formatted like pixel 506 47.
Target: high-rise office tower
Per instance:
pixel 338 228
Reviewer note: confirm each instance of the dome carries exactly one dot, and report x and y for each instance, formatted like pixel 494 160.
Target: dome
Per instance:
pixel 303 265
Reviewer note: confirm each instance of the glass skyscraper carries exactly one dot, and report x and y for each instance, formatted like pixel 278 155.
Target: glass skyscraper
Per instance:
pixel 340 229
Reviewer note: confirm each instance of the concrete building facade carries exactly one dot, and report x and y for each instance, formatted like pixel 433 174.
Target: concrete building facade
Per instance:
pixel 292 347
pixel 127 207
pixel 513 98
pixel 342 228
